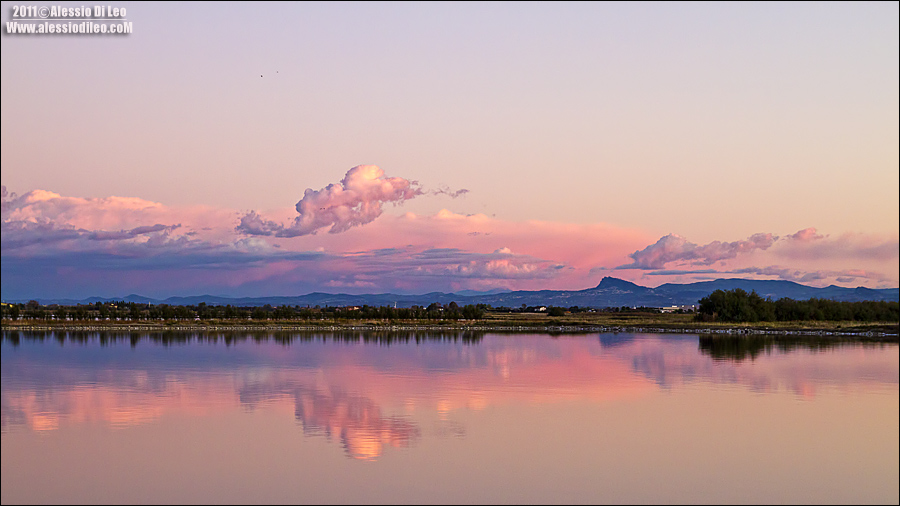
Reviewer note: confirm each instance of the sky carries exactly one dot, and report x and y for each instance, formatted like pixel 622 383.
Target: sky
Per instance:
pixel 285 148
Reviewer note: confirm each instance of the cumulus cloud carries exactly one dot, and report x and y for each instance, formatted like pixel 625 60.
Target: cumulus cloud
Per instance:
pixel 667 249
pixel 70 224
pixel 717 250
pixel 813 258
pixel 23 234
pixel 674 248
pixel 357 200
pixel 804 245
pixel 254 224
pixel 86 213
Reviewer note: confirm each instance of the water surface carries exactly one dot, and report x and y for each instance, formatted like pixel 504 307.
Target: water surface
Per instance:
pixel 446 418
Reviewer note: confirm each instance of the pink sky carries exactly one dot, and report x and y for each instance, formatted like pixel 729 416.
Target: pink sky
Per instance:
pixel 413 148
pixel 354 247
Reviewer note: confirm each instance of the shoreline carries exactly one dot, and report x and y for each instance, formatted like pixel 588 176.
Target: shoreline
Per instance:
pixel 860 332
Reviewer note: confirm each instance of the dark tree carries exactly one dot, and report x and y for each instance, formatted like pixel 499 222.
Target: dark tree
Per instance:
pixel 556 311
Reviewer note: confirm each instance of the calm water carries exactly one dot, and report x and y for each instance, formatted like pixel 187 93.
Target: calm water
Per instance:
pixel 452 418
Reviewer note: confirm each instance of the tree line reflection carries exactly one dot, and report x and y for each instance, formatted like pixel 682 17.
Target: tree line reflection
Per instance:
pixel 718 347
pixel 177 337
pixel 744 347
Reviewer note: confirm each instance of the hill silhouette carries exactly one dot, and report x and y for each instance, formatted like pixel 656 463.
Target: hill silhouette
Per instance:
pixel 610 292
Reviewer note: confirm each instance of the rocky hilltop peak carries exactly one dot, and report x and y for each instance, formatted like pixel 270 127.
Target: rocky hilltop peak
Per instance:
pixel 609 282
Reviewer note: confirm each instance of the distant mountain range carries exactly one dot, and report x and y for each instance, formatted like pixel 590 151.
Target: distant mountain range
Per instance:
pixel 611 292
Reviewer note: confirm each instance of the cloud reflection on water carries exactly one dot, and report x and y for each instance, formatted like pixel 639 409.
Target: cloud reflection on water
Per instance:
pixel 372 397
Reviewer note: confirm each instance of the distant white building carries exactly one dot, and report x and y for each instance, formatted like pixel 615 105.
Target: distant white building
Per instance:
pixel 683 307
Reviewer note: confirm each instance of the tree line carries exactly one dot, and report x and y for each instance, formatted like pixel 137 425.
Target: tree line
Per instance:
pixel 721 305
pixel 739 306
pixel 135 311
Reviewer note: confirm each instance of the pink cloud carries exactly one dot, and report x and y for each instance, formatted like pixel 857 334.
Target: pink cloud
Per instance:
pixel 88 213
pixel 717 250
pixel 806 235
pixel 674 248
pixel 357 200
pixel 814 258
pixel 254 224
pixel 667 249
pixel 109 214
